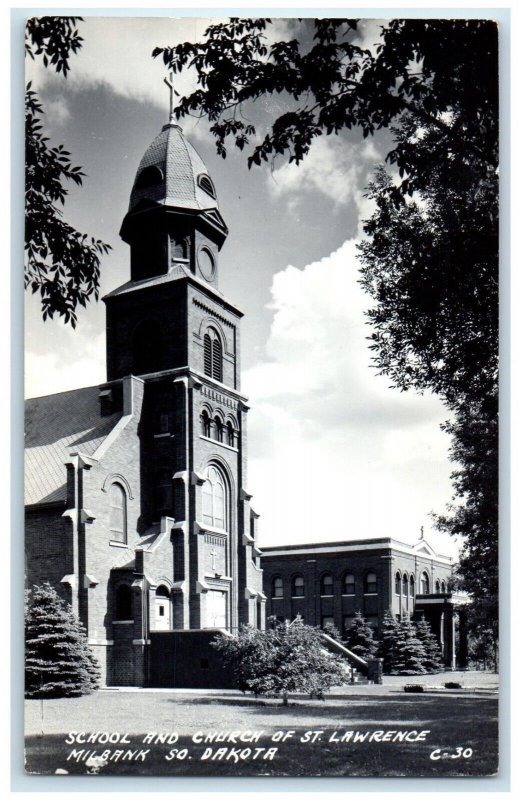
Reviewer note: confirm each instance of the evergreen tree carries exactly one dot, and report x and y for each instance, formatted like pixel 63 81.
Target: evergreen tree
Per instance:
pixel 390 642
pixel 410 656
pixel 359 637
pixel 58 660
pixel 424 633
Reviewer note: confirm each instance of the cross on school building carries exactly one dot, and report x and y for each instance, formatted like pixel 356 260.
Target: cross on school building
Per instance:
pixel 138 509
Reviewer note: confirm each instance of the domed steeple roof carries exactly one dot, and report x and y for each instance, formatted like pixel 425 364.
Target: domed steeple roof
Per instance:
pixel 172 173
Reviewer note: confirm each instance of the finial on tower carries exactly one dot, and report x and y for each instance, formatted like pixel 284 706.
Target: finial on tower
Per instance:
pixel 421 532
pixel 170 83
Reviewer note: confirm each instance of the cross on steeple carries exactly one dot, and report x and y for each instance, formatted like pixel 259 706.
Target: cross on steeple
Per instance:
pixel 170 83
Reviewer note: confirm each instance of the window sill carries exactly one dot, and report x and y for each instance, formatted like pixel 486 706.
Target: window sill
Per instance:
pixel 277 598
pixel 116 543
pixel 370 594
pixel 216 441
pixel 298 596
pixel 123 622
pixel 163 435
pixel 348 594
pixel 327 595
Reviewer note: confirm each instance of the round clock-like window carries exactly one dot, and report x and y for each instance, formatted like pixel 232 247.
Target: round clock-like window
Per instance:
pixel 206 261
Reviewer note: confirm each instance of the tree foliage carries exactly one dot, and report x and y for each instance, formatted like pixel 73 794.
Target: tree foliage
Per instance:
pixel 58 660
pixel 430 256
pixel 61 264
pixel 410 654
pixel 359 637
pixel 285 658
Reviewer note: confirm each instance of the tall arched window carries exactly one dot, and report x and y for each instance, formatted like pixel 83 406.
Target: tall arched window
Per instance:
pixel 218 429
pixel 411 586
pixel 147 348
pixel 424 583
pixel 213 355
pixel 118 513
pixel 326 584
pixel 371 583
pixel 215 499
pixel 348 584
pixel 297 586
pixel 437 587
pixel 397 583
pixel 123 609
pixel 405 585
pixel 443 587
pixel 230 434
pixel 277 587
pixel 206 425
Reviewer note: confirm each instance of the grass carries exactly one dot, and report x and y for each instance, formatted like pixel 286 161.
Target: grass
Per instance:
pixel 453 720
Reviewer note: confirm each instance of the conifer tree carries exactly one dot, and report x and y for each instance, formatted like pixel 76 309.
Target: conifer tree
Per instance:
pixel 411 655
pixel 58 660
pixel 360 639
pixel 390 642
pixel 424 632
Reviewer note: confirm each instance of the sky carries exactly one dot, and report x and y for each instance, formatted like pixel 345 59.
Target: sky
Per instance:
pixel 334 452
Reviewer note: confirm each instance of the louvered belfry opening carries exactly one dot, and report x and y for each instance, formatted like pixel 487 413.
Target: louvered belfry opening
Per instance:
pixel 213 356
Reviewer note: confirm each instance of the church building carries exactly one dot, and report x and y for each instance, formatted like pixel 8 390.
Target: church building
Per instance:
pixel 137 503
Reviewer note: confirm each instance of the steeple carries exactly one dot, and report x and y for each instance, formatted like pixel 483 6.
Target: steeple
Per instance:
pixel 173 220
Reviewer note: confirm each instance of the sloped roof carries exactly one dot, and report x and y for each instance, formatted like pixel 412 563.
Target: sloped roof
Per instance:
pixel 55 426
pixel 181 166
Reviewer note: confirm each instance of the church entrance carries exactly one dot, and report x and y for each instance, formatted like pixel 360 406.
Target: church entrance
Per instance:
pixel 216 609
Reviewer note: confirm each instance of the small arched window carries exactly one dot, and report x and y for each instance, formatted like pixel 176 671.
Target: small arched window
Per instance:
pixel 230 434
pixel 405 585
pixel 424 583
pixel 326 584
pixel 205 182
pixel 213 355
pixel 411 586
pixel 206 424
pixel 397 583
pixel 218 429
pixel 297 586
pixel 277 587
pixel 215 500
pixel 443 587
pixel 371 583
pixel 348 584
pixel 437 587
pixel 118 513
pixel 123 610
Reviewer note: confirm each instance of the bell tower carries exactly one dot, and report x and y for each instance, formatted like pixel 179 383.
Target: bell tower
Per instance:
pixel 171 327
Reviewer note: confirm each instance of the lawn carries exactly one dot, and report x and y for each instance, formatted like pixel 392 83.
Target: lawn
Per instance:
pixel 431 734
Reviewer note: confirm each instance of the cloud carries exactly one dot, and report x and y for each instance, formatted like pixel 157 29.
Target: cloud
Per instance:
pixel 53 371
pixel 335 167
pixel 334 452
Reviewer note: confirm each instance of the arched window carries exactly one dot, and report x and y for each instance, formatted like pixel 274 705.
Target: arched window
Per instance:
pixel 326 584
pixel 218 429
pixel 123 610
pixel 215 500
pixel 205 182
pixel 230 434
pixel 424 583
pixel 206 425
pixel 405 585
pixel 162 424
pixel 297 586
pixel 443 587
pixel 397 583
pixel 437 587
pixel 150 176
pixel 277 587
pixel 348 584
pixel 162 609
pixel 371 583
pixel 213 355
pixel 411 586
pixel 147 348
pixel 118 513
